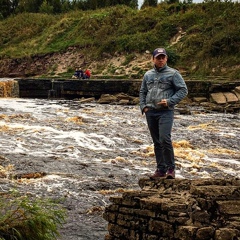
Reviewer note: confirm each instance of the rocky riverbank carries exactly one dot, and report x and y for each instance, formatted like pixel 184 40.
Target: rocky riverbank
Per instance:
pixel 84 153
pixel 180 209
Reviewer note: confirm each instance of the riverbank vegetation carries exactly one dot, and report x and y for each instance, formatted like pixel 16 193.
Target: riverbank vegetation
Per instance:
pixel 24 217
pixel 202 39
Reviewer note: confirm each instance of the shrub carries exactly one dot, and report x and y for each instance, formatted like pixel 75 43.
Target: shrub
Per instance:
pixel 22 217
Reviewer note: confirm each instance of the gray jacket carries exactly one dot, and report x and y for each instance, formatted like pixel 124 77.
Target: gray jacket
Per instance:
pixel 164 83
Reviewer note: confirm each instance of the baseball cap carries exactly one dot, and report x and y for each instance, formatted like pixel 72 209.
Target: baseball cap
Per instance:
pixel 159 51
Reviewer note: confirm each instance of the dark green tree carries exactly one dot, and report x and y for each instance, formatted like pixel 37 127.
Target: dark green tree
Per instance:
pixel 7 7
pixel 46 8
pixel 57 6
pixel 133 4
pixel 149 3
pixel 172 1
pixel 32 6
pixel 66 6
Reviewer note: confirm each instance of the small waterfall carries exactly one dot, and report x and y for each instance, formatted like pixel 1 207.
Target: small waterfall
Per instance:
pixel 9 88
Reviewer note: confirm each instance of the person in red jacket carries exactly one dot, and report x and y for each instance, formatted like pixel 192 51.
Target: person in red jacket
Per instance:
pixel 87 74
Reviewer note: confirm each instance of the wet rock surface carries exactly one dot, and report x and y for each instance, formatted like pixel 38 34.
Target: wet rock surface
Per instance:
pixel 83 153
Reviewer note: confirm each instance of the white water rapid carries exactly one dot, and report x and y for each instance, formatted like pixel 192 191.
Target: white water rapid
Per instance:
pixel 89 151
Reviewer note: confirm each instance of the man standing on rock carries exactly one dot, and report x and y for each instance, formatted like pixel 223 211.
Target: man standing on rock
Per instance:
pixel 162 88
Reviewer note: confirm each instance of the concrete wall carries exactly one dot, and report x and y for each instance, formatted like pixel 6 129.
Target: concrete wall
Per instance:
pixel 64 88
pixel 35 88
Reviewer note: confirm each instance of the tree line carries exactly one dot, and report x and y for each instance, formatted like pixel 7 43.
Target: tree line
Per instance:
pixel 10 7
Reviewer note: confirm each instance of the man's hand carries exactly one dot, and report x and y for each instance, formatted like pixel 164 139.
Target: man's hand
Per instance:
pixel 163 102
pixel 145 109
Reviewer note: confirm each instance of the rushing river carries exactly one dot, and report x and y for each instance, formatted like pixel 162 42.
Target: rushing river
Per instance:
pixel 84 153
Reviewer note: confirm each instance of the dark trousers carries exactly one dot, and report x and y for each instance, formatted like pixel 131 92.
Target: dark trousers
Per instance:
pixel 160 124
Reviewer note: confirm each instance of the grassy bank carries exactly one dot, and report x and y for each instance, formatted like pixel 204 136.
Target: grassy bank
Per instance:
pixel 202 39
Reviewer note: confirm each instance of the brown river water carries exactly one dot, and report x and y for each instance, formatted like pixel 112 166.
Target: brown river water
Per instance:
pixel 84 153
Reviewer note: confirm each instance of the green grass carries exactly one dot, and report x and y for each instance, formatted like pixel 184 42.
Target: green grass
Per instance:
pixel 26 218
pixel 211 38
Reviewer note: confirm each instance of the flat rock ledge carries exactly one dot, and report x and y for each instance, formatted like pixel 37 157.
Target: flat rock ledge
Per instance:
pixel 176 209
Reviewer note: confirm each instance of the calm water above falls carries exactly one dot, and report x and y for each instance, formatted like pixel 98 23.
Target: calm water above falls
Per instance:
pixel 89 151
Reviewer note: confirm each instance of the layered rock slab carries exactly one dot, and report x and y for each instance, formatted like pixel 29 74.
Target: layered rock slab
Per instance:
pixel 176 209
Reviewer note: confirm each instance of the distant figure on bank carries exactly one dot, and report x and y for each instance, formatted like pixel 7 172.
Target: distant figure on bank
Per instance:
pixel 87 74
pixel 162 88
pixel 78 73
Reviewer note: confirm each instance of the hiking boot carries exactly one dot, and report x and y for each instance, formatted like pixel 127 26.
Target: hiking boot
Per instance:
pixel 158 174
pixel 170 174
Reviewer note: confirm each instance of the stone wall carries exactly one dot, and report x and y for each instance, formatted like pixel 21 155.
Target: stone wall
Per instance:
pixel 223 97
pixel 207 209
pixel 70 88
